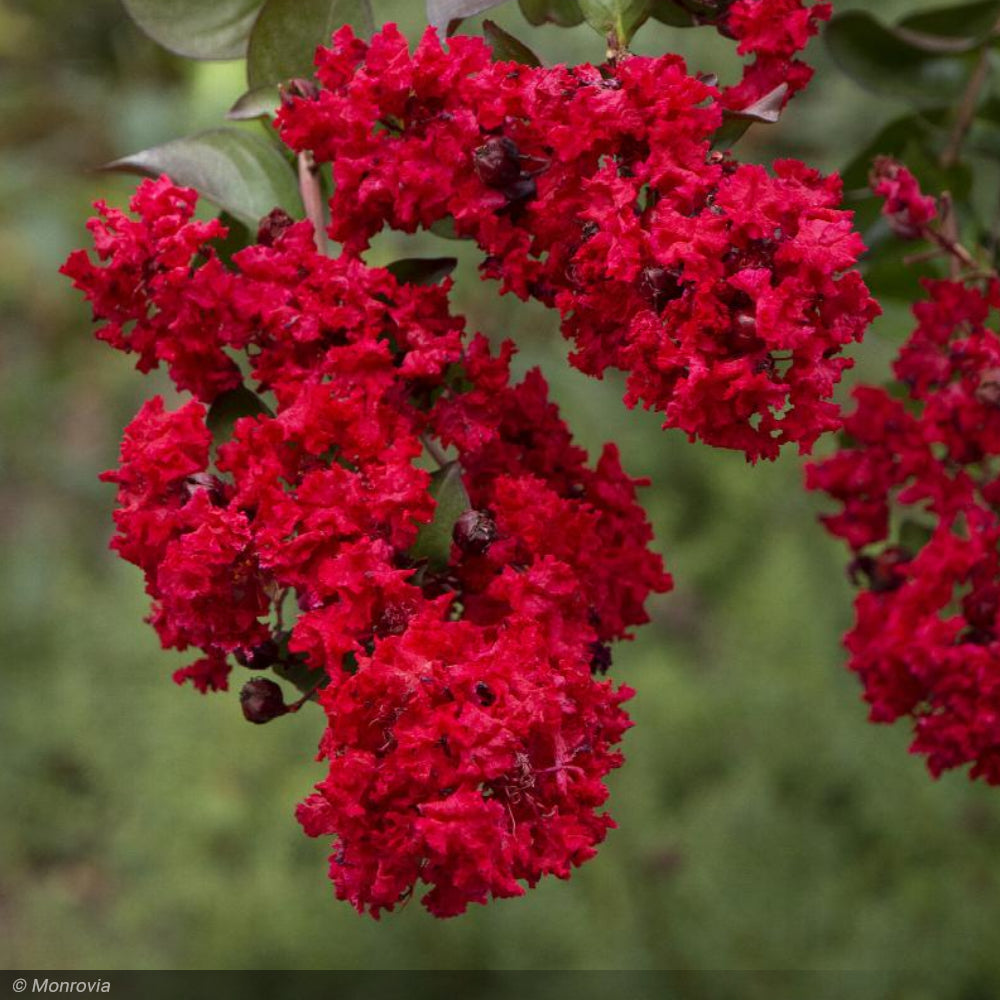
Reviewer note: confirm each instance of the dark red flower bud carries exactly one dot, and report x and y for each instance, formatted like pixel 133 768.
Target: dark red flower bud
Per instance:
pixel 393 620
pixel 600 661
pixel 885 572
pixel 262 701
pixel 498 162
pixel 988 390
pixel 980 607
pixel 660 285
pixel 474 532
pixel 260 657
pixel 273 225
pixel 485 694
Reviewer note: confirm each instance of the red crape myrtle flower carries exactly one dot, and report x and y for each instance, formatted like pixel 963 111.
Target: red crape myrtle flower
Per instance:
pixel 467 737
pixel 726 292
pixel 774 32
pixel 918 482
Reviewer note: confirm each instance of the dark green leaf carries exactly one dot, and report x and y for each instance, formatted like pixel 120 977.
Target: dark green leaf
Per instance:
pixel 434 540
pixel 883 62
pixel 913 535
pixel 507 48
pixel 565 13
pixel 422 270
pixel 890 141
pixel 672 13
pixel 735 123
pixel 622 18
pixel 238 171
pixel 286 34
pixel 306 679
pixel 198 29
pixel 968 24
pixel 440 13
pixel 239 237
pixel 261 102
pixel 229 407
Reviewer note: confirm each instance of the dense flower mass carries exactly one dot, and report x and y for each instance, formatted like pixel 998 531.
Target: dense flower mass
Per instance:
pixel 449 620
pixel 918 481
pixel 727 292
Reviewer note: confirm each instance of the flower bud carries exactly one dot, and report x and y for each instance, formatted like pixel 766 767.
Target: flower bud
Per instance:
pixel 262 701
pixel 260 657
pixel 498 162
pixel 273 225
pixel 988 390
pixel 474 532
pixel 660 285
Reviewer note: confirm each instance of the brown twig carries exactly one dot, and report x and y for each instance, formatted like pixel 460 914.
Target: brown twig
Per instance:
pixel 967 109
pixel 312 197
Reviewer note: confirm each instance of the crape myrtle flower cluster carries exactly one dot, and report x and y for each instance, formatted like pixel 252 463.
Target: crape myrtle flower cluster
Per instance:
pixel 727 292
pixel 469 728
pixel 773 32
pixel 918 481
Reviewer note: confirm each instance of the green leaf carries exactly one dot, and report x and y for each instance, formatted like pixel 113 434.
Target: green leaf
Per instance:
pixel 286 34
pixel 884 62
pixel 623 18
pixel 239 236
pixel 440 13
pixel 891 140
pixel 198 29
pixel 507 48
pixel 422 270
pixel 735 123
pixel 967 24
pixel 434 540
pixel 229 407
pixel 238 171
pixel 564 13
pixel 261 102
pixel 445 228
pixel 672 13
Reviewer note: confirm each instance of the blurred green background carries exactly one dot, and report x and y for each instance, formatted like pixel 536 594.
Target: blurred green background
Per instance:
pixel 765 824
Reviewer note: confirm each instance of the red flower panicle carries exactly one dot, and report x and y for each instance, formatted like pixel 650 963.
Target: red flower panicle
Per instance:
pixel 468 737
pixel 918 484
pixel 726 292
pixel 774 32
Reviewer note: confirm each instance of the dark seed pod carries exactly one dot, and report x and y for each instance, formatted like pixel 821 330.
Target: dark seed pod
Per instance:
pixel 262 701
pixel 474 532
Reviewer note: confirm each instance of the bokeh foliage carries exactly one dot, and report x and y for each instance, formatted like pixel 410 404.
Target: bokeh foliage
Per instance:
pixel 764 823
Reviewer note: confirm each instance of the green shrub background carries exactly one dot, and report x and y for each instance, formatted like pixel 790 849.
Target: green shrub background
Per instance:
pixel 765 824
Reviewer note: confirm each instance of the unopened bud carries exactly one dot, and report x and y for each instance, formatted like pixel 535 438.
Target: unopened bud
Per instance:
pixel 660 285
pixel 498 162
pixel 475 531
pixel 260 657
pixel 273 225
pixel 262 701
pixel 988 390
pixel 298 86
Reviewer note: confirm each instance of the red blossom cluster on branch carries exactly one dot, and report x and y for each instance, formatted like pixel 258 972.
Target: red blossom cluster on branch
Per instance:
pixel 773 32
pixel 918 478
pixel 725 291
pixel 467 734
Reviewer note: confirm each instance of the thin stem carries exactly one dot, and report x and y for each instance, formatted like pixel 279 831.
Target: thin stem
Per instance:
pixel 434 450
pixel 967 109
pixel 312 197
